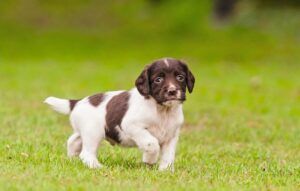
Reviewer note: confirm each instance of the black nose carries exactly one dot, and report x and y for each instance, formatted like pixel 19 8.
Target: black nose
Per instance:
pixel 171 92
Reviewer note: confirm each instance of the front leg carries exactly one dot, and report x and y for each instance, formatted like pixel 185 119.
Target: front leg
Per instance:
pixel 147 143
pixel 168 150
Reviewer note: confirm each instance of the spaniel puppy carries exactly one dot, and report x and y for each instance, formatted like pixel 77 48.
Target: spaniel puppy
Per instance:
pixel 148 116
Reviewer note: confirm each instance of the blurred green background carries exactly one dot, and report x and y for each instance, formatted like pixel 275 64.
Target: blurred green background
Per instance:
pixel 54 47
pixel 242 118
pixel 145 30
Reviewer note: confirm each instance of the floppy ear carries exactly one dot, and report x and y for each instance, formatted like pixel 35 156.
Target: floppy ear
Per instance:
pixel 142 83
pixel 190 79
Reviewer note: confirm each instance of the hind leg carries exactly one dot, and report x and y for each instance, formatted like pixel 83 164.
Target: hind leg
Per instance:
pixel 86 120
pixel 74 145
pixel 91 136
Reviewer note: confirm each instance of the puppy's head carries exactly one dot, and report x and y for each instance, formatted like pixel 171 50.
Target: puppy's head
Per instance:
pixel 166 80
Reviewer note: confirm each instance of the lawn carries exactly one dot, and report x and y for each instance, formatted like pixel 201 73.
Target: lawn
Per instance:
pixel 242 125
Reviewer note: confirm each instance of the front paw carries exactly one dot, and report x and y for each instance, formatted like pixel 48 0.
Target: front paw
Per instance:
pixel 150 159
pixel 166 166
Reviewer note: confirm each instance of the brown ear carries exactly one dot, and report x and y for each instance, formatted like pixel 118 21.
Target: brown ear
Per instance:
pixel 190 79
pixel 142 82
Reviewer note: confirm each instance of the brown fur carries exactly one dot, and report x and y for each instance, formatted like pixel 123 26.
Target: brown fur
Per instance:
pixel 96 99
pixel 168 69
pixel 142 83
pixel 72 103
pixel 115 111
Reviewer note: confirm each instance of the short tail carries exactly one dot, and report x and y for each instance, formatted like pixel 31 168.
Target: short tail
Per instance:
pixel 63 106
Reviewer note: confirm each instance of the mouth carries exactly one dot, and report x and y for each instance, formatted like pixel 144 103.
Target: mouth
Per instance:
pixel 171 102
pixel 174 98
pixel 171 97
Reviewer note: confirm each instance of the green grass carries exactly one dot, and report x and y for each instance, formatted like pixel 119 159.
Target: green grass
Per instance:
pixel 241 131
pixel 242 125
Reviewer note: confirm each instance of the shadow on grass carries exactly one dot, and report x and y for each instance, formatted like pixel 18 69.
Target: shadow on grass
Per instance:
pixel 125 163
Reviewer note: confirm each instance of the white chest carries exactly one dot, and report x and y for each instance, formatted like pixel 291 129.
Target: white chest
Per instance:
pixel 166 125
pixel 162 122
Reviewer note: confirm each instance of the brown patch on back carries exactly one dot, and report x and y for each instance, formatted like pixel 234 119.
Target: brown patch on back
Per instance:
pixel 72 103
pixel 96 99
pixel 115 111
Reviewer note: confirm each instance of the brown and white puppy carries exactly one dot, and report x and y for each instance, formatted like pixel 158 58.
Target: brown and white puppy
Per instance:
pixel 148 116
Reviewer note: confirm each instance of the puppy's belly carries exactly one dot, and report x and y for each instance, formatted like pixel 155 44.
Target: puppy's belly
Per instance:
pixel 126 141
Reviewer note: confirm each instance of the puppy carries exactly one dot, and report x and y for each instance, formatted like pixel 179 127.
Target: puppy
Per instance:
pixel 148 116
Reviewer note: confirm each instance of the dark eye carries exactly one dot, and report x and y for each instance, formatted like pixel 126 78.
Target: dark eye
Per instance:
pixel 180 78
pixel 158 80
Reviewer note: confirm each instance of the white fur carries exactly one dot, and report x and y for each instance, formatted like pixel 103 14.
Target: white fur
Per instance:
pixel 166 62
pixel 59 105
pixel 153 128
